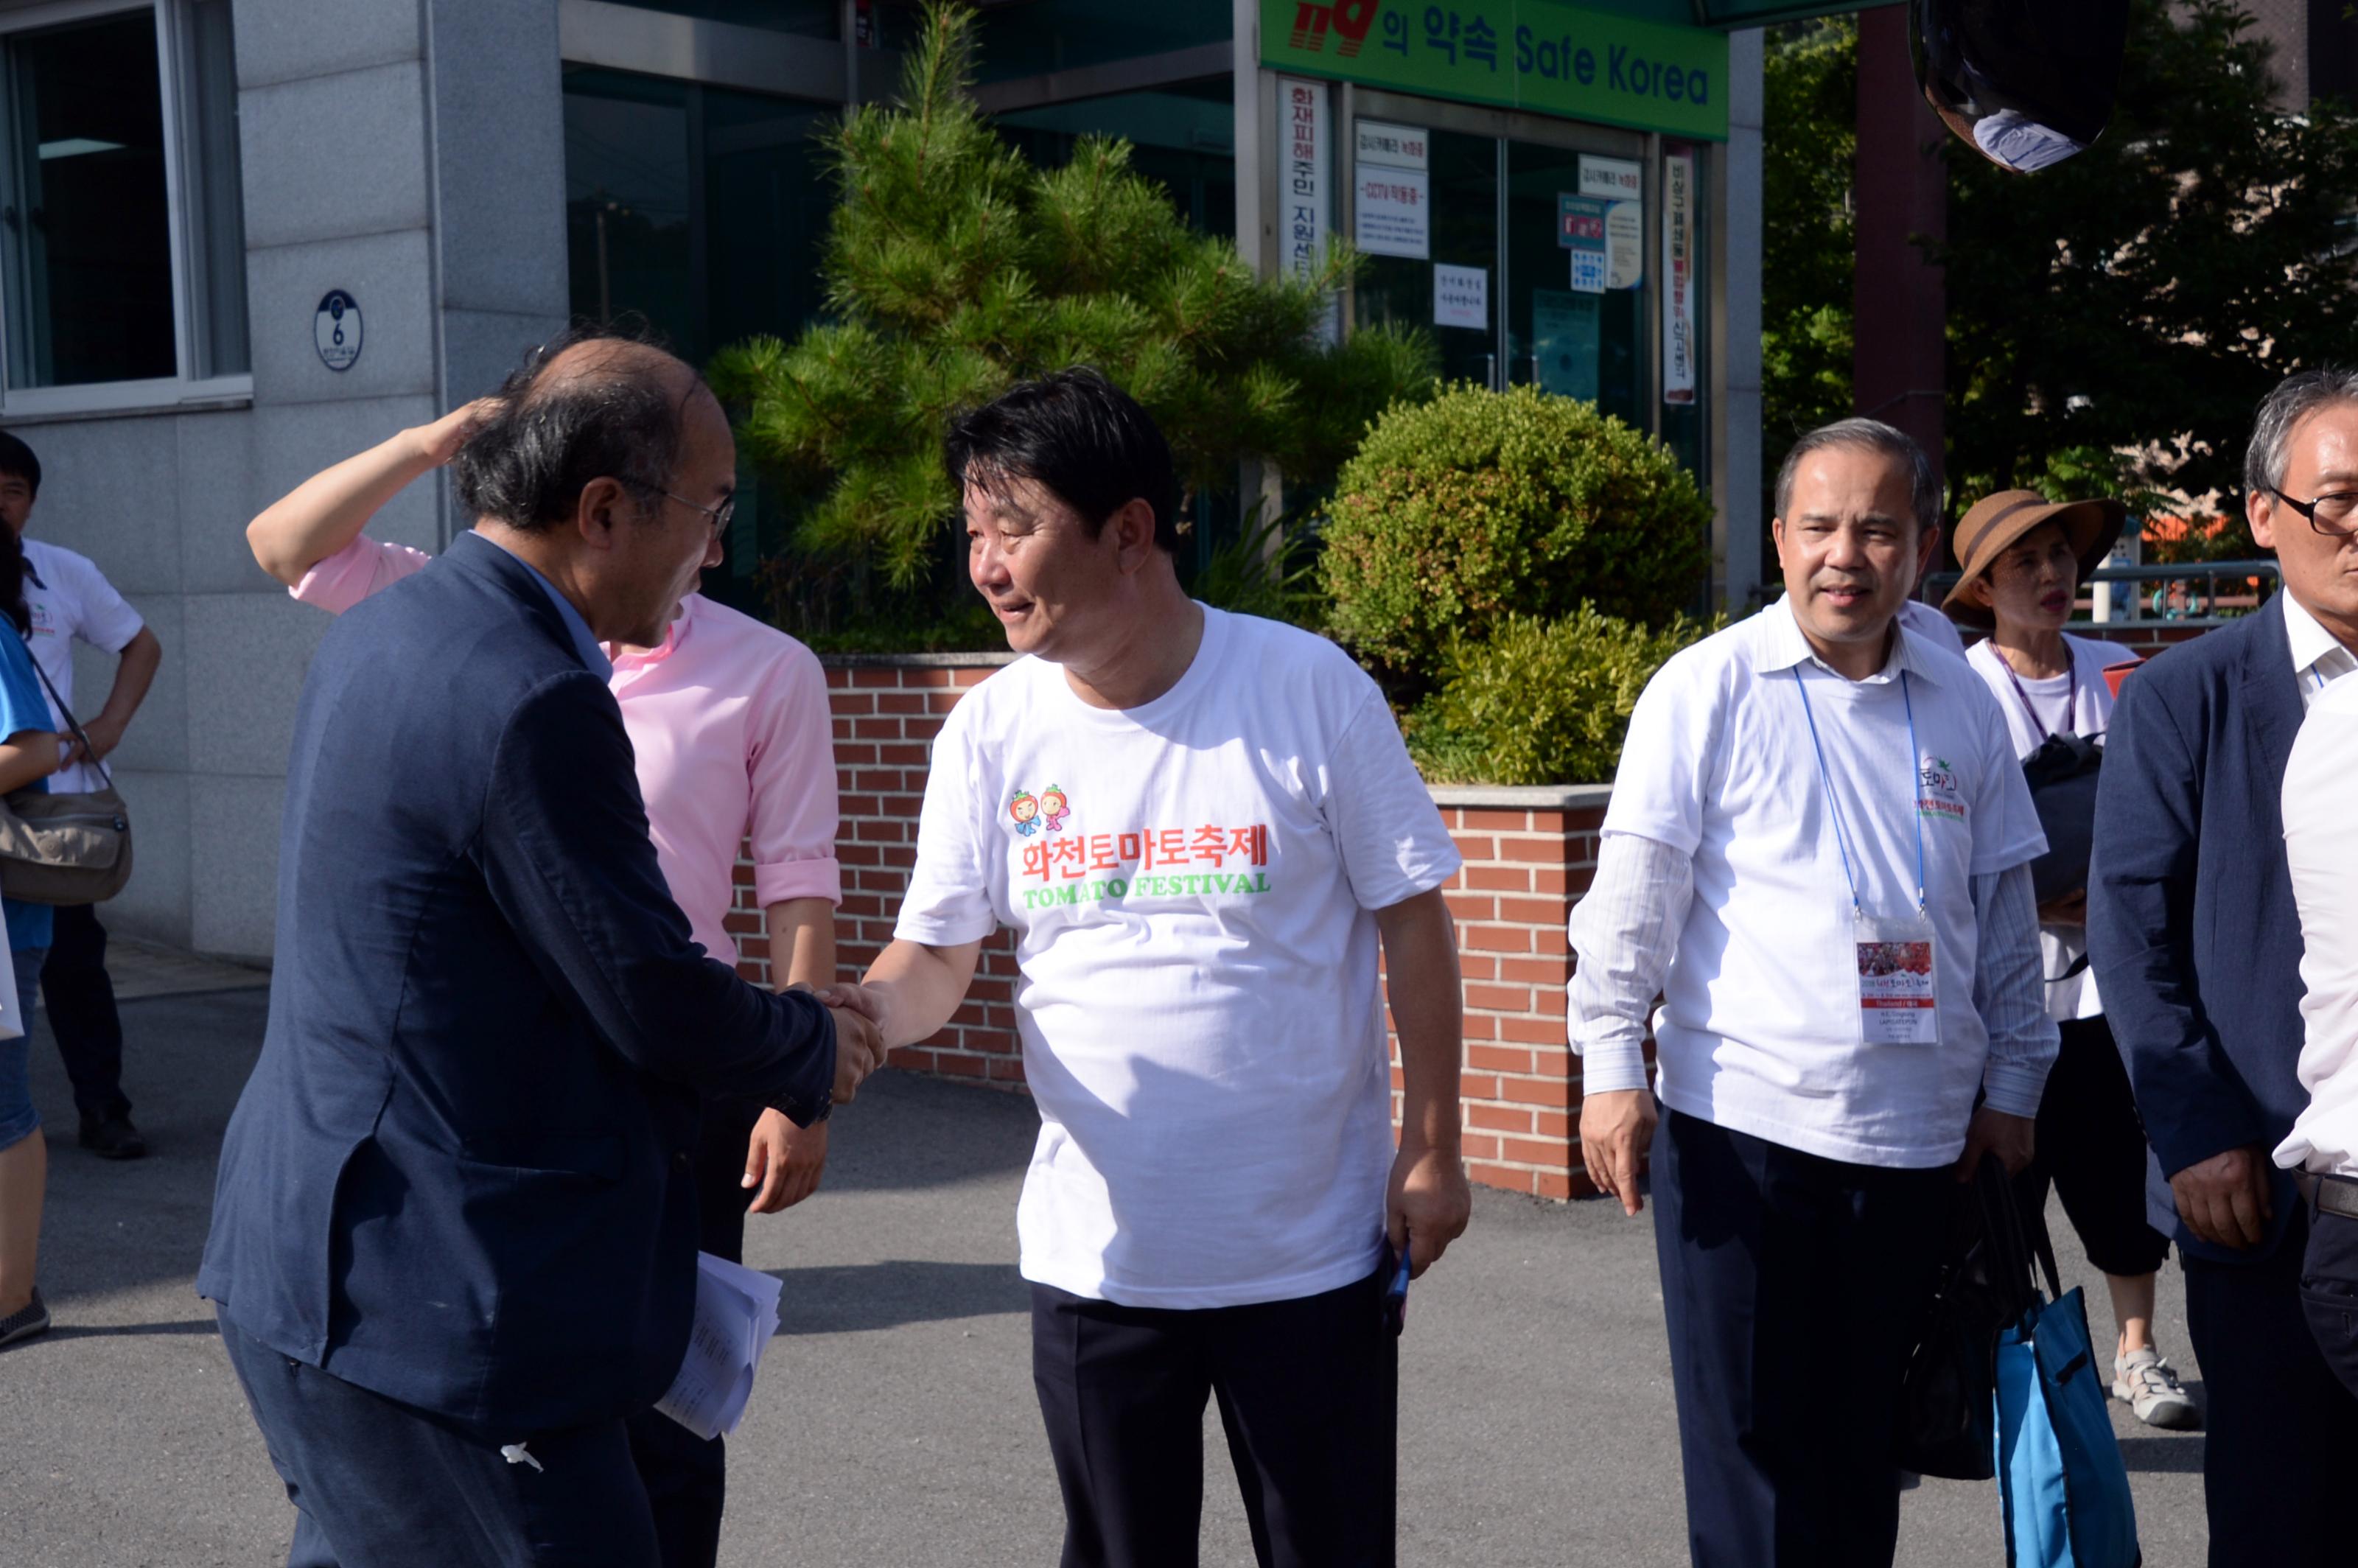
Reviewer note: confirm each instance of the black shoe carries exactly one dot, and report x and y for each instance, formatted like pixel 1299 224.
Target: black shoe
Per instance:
pixel 112 1138
pixel 26 1322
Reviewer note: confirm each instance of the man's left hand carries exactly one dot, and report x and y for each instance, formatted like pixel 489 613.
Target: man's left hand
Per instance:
pixel 1426 1204
pixel 2010 1138
pixel 104 736
pixel 784 1161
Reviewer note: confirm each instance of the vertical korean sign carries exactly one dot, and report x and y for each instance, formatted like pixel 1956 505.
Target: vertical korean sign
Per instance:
pixel 1679 277
pixel 1306 150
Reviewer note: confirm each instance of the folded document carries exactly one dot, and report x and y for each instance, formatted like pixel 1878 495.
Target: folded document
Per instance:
pixel 736 1313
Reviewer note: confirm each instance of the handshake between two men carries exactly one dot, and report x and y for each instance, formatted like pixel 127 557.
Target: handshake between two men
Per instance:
pixel 859 1042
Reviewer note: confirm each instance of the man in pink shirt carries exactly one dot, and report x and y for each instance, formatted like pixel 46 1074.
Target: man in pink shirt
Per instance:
pixel 728 719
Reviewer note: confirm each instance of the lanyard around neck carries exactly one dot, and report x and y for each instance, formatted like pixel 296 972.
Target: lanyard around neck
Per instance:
pixel 1842 832
pixel 2071 695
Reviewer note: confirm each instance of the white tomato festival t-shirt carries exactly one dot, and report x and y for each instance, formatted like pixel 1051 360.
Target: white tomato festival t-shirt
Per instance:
pixel 1192 885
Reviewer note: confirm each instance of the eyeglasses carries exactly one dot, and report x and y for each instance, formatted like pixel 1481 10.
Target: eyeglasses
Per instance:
pixel 2328 515
pixel 717 517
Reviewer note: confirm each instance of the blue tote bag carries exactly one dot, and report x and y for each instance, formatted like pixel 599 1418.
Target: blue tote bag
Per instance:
pixel 2060 1482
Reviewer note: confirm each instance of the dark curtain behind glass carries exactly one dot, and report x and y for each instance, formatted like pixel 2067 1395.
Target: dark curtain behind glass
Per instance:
pixel 86 224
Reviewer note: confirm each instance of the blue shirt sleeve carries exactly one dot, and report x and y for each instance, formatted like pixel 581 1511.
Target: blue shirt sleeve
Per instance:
pixel 23 707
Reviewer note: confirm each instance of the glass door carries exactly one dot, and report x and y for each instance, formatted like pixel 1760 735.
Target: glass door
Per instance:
pixel 1575 319
pixel 1432 235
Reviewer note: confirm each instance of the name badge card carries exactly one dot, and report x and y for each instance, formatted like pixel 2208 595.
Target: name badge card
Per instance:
pixel 1897 1000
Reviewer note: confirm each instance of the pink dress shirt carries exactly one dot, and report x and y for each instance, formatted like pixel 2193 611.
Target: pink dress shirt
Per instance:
pixel 729 721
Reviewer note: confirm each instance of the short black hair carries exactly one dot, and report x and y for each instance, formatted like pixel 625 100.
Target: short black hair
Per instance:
pixel 15 458
pixel 1078 437
pixel 527 465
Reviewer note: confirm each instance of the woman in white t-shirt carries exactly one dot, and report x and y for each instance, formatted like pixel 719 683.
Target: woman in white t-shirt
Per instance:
pixel 2024 558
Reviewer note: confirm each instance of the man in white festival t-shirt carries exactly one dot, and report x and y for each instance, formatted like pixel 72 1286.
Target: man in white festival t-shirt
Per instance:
pixel 1203 826
pixel 1818 855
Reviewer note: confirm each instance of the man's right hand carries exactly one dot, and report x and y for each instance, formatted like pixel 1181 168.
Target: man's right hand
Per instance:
pixel 2224 1199
pixel 859 1047
pixel 1615 1129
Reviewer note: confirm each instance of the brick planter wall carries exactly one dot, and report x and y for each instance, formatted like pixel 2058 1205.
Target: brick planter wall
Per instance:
pixel 1529 855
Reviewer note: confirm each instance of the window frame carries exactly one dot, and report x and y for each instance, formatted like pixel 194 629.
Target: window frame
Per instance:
pixel 158 393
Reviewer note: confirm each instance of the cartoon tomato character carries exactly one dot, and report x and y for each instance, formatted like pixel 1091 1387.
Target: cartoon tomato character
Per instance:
pixel 1053 801
pixel 1026 812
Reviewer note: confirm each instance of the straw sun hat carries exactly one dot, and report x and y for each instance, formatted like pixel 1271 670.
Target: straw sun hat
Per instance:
pixel 1997 521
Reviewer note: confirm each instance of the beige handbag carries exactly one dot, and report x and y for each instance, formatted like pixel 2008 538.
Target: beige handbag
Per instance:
pixel 64 848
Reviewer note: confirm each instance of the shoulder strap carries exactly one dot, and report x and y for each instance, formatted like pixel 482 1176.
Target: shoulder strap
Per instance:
pixel 89 751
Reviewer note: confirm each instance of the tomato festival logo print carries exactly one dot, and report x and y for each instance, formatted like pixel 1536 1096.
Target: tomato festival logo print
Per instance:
pixel 1940 796
pixel 1032 812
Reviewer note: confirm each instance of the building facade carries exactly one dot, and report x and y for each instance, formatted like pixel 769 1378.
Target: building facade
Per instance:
pixel 241 239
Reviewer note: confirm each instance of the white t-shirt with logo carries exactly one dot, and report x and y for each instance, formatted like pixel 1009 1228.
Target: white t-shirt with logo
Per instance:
pixel 69 598
pixel 1191 882
pixel 1759 1028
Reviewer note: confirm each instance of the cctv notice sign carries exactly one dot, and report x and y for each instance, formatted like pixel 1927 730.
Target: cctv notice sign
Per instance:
pixel 1538 55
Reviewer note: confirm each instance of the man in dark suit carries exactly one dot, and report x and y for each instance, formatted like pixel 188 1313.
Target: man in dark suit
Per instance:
pixel 2196 945
pixel 454 1232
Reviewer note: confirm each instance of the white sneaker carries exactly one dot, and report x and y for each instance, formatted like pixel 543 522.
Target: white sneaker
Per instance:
pixel 2149 1385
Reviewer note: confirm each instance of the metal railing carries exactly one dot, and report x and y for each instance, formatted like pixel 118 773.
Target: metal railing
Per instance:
pixel 2199 593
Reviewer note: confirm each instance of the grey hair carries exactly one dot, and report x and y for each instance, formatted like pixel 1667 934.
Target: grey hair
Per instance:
pixel 2295 398
pixel 1875 436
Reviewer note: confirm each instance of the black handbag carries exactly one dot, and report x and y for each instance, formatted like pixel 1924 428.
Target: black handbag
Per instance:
pixel 2062 778
pixel 1949 1391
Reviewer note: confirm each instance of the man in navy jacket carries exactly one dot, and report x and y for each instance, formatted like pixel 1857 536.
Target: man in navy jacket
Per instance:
pixel 454 1232
pixel 2196 945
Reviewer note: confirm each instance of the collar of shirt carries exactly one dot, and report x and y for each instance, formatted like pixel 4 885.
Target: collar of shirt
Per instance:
pixel 593 657
pixel 1787 647
pixel 2313 647
pixel 627 661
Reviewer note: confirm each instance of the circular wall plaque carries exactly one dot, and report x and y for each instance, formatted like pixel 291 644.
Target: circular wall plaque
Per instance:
pixel 336 329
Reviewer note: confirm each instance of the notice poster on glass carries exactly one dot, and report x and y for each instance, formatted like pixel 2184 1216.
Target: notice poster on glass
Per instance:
pixel 1564 342
pixel 1625 244
pixel 1461 297
pixel 1394 211
pixel 1580 229
pixel 1679 280
pixel 1615 178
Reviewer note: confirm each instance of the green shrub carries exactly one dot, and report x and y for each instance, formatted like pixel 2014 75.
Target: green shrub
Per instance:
pixel 1540 702
pixel 1481 504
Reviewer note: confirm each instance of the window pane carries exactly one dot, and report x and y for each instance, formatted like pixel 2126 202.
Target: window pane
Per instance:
pixel 810 18
pixel 90 295
pixel 217 205
pixel 1183 136
pixel 1064 35
pixel 628 200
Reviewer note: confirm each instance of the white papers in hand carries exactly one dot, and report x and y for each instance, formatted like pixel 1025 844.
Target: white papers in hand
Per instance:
pixel 736 1315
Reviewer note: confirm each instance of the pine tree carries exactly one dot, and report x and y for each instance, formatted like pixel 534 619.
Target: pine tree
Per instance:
pixel 953 268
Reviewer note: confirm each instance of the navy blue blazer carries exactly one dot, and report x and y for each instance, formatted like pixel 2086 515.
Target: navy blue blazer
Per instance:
pixel 459 1174
pixel 2191 929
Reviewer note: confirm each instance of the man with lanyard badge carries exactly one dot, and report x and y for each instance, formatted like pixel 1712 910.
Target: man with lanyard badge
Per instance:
pixel 1818 854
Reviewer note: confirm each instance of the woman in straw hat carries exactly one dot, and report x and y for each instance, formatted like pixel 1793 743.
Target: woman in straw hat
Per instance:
pixel 2024 559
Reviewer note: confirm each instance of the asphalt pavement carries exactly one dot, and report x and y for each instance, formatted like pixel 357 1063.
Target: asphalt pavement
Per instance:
pixel 895 1426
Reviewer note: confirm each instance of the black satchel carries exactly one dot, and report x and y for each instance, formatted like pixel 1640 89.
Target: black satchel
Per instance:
pixel 2062 778
pixel 1948 1392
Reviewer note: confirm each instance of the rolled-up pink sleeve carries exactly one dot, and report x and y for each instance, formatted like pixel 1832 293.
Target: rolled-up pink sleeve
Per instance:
pixel 791 762
pixel 361 567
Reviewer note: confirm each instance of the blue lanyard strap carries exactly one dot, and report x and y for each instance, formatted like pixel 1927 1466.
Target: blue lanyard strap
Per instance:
pixel 1834 802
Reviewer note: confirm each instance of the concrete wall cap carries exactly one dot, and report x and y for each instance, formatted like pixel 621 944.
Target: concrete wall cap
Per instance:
pixel 1521 797
pixel 971 660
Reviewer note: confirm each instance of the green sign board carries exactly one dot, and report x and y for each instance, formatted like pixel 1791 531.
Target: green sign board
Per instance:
pixel 1523 54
